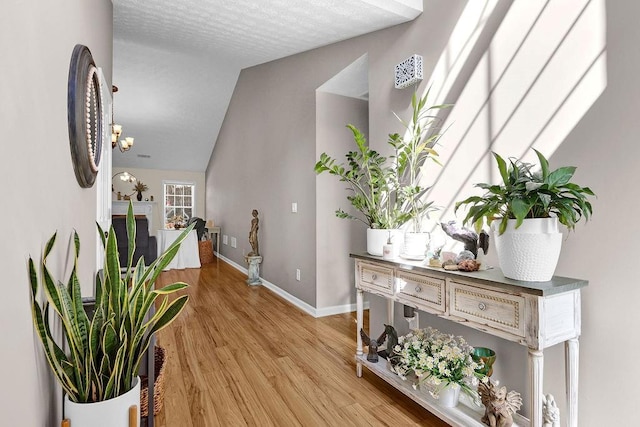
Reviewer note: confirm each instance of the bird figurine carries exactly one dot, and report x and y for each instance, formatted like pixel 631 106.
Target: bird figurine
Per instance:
pixel 392 341
pixel 461 234
pixel 372 356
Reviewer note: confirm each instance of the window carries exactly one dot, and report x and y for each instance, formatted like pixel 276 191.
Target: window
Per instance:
pixel 179 203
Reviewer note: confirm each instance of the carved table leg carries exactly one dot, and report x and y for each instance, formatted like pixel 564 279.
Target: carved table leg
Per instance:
pixel 536 366
pixel 359 325
pixel 571 380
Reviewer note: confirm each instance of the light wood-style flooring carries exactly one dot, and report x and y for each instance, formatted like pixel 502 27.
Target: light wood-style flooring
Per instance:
pixel 241 355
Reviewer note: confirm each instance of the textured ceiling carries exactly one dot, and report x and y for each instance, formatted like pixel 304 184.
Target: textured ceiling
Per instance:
pixel 176 63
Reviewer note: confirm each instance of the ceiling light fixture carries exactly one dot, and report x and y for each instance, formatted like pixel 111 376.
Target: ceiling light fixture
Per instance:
pixel 116 130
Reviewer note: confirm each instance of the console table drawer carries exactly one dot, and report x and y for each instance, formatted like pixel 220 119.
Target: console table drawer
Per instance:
pixel 425 291
pixel 376 278
pixel 497 310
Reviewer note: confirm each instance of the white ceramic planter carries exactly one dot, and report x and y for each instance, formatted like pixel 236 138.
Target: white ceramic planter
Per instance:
pixel 109 413
pixel 531 251
pixel 449 395
pixel 377 238
pixel 415 245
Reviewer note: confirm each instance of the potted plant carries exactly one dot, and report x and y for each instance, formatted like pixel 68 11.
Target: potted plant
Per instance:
pixel 387 191
pixel 140 187
pixel 370 178
pixel 412 152
pixel 98 371
pixel 442 364
pixel 524 211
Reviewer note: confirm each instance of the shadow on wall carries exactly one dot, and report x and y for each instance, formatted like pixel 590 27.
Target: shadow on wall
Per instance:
pixel 542 71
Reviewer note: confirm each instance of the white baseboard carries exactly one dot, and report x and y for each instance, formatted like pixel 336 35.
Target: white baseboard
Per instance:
pixel 307 308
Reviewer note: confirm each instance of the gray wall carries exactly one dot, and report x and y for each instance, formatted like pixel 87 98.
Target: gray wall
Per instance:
pixel 266 148
pixel 334 236
pixel 41 194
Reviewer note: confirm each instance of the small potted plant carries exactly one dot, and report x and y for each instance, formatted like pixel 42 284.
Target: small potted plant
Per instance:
pixel 140 187
pixel 387 191
pixel 97 368
pixel 442 364
pixel 524 211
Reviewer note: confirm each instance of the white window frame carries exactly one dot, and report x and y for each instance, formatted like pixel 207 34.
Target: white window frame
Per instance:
pixel 164 197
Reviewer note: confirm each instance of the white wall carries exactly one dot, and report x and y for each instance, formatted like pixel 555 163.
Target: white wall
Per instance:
pixel 41 194
pixel 153 178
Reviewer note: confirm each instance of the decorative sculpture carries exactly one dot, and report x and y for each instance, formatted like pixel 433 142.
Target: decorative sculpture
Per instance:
pixel 392 341
pixel 372 356
pixel 550 412
pixel 470 238
pixel 499 405
pixel 253 234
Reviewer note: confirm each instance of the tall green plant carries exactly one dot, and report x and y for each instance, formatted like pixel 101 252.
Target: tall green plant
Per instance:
pixel 104 353
pixel 526 192
pixel 371 180
pixel 412 152
pixel 386 191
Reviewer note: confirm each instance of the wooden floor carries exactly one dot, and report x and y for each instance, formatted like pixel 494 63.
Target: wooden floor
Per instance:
pixel 241 355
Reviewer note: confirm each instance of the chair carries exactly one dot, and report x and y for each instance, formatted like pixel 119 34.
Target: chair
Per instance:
pixel 146 245
pixel 200 228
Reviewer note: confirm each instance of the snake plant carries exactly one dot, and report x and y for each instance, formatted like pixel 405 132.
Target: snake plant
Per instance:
pixel 103 354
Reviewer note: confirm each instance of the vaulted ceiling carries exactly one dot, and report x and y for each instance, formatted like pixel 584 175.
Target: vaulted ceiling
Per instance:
pixel 176 62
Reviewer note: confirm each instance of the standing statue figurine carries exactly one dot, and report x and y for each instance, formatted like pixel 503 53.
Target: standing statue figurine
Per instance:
pixel 253 234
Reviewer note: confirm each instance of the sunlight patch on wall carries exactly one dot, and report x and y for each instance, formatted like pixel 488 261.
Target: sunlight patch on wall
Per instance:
pixel 543 70
pixel 456 53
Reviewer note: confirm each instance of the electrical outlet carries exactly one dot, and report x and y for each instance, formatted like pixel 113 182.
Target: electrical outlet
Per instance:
pixel 298 274
pixel 234 242
pixel 294 207
pixel 225 239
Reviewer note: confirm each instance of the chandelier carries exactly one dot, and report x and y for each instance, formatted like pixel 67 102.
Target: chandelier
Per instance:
pixel 124 144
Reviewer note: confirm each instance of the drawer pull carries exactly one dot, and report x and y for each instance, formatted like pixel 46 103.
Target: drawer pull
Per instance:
pixel 482 306
pixel 374 276
pixel 418 289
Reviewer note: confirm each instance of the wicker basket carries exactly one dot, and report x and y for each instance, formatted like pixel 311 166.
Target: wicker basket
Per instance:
pixel 205 250
pixel 160 359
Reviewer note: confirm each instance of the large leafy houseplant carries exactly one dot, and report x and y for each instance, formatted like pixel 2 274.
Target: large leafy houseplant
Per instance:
pixel 526 192
pixel 387 191
pixel 372 183
pixel 104 352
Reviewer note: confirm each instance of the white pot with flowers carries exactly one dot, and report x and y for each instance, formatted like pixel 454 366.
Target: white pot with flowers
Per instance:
pixel 442 364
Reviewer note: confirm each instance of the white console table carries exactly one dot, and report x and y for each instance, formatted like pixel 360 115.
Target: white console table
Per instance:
pixel 534 314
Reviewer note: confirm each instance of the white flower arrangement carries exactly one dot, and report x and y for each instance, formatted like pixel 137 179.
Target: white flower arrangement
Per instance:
pixel 437 360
